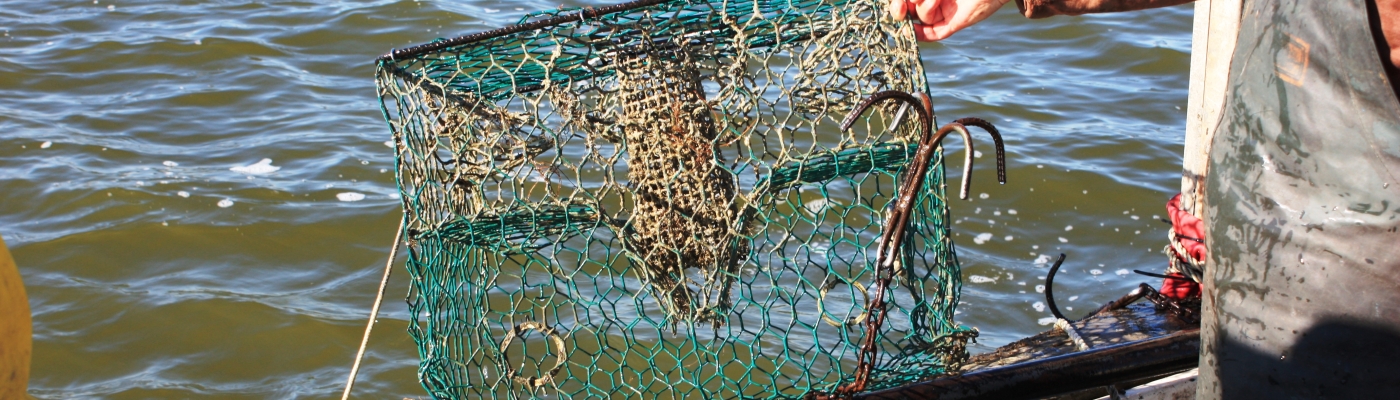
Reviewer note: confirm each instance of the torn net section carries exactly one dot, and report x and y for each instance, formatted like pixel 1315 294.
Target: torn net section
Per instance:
pixel 653 199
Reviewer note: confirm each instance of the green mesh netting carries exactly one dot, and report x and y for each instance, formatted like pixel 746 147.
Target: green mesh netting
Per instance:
pixel 654 199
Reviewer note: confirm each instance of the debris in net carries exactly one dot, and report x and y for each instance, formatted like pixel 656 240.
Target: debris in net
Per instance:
pixel 261 167
pixel 350 196
pixel 225 203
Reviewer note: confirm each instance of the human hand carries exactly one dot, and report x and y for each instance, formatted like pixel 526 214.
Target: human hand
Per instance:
pixel 936 20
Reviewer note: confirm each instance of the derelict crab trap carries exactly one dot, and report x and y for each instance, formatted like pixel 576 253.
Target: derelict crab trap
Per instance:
pixel 654 199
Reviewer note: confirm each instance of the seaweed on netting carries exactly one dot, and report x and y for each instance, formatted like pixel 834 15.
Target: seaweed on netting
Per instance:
pixel 654 199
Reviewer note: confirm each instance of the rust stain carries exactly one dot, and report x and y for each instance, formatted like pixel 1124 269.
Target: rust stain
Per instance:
pixel 1292 65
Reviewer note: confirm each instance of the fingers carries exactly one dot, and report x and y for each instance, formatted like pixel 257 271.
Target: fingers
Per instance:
pixel 938 23
pixel 926 33
pixel 898 9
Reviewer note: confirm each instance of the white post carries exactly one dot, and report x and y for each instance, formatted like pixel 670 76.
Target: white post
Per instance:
pixel 1212 46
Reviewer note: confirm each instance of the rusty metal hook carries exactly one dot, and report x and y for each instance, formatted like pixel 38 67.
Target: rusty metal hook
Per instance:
pixel 996 139
pixel 897 221
pixel 930 140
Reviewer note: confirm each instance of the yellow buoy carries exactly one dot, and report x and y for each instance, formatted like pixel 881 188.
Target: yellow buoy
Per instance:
pixel 15 330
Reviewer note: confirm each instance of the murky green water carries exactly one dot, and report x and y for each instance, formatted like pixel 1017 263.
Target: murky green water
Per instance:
pixel 156 271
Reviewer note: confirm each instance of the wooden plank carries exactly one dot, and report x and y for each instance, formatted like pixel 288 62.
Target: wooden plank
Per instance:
pixel 1216 26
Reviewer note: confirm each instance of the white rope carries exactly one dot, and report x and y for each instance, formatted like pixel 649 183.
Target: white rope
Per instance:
pixel 373 312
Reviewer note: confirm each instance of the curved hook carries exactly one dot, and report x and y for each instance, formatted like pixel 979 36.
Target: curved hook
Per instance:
pixel 925 117
pixel 996 139
pixel 937 139
pixel 1050 288
pixel 930 140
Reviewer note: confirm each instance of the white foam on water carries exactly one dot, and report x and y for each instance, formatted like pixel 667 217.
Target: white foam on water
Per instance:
pixel 1045 321
pixel 980 279
pixel 1135 218
pixel 1020 283
pixel 1011 211
pixel 350 196
pixel 982 238
pixel 1063 240
pixel 1038 306
pixel 261 167
pixel 1095 272
pixel 389 144
pixel 183 194
pixel 976 154
pixel 1008 238
pixel 1040 288
pixel 983 196
pixel 815 206
pixel 1012 276
pixel 1043 259
pixel 225 203
pixel 1069 228
pixel 45 145
pixel 170 164
pixel 1073 298
pixel 1122 272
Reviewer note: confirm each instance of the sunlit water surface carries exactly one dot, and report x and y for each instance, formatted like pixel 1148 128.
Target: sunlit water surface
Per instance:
pixel 165 259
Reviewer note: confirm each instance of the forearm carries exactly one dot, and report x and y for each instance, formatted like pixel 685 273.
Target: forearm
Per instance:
pixel 1048 8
